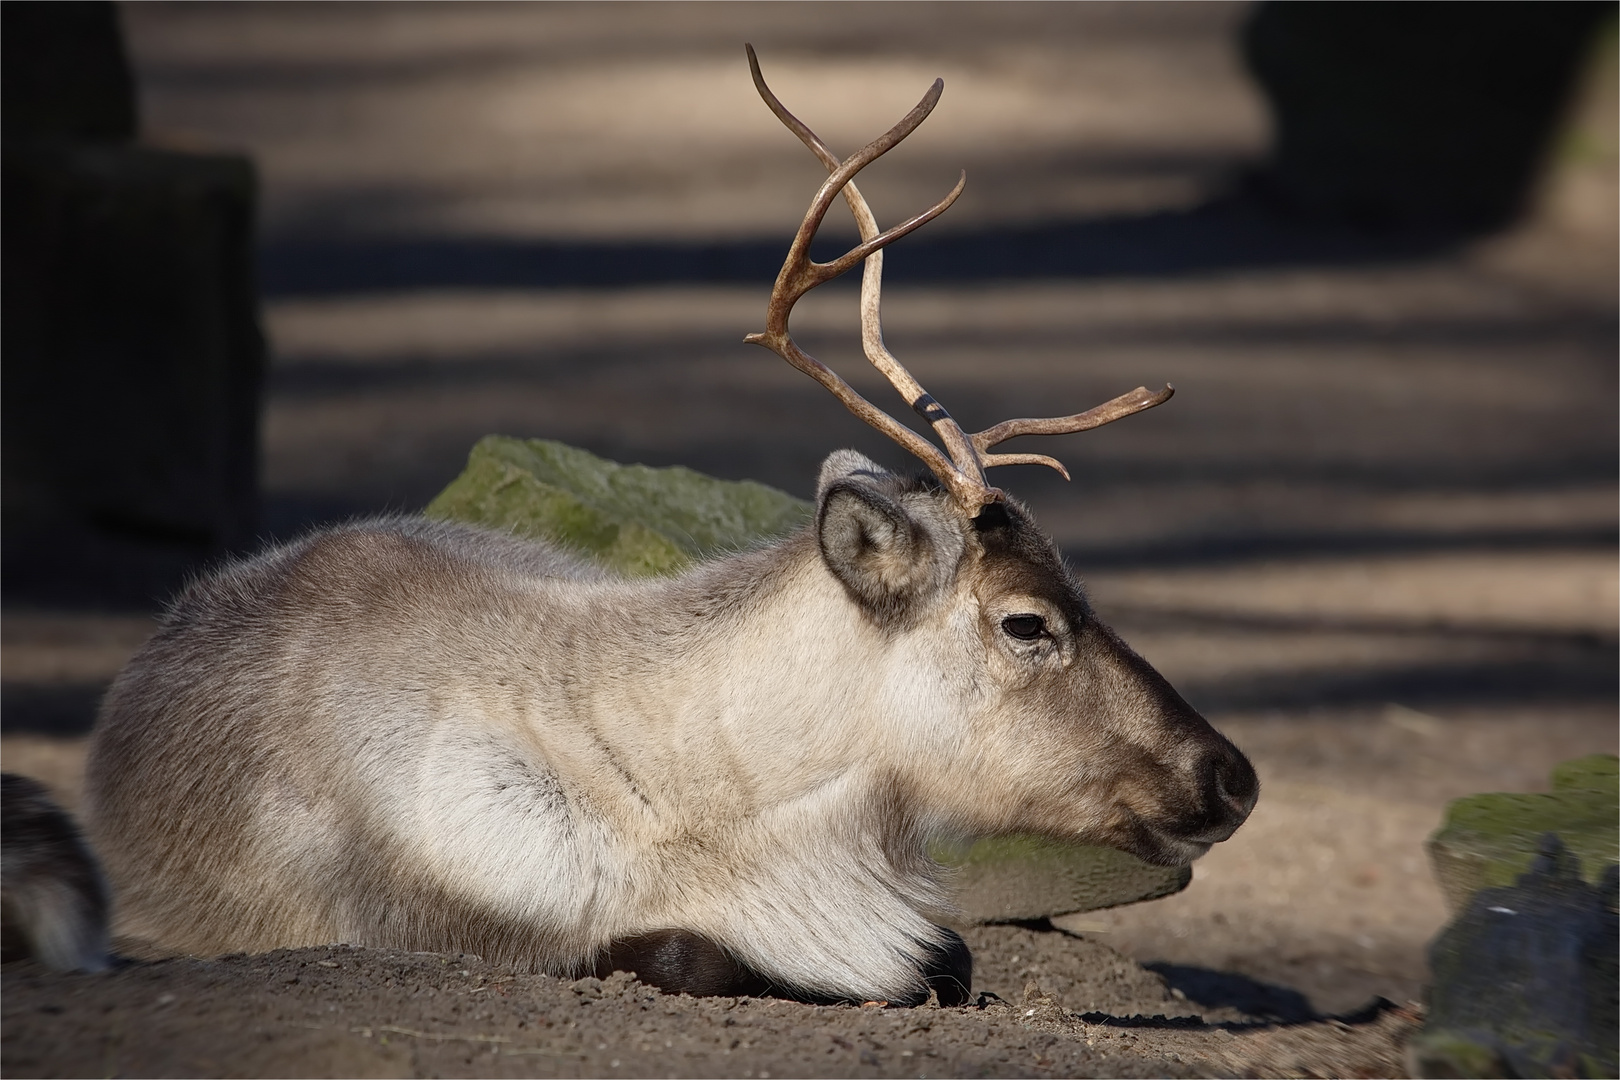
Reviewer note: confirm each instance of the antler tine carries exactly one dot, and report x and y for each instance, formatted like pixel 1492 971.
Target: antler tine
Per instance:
pixel 791 122
pixel 1125 405
pixel 800 273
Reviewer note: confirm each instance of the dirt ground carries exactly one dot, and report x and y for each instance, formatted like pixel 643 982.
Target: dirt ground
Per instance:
pixel 1373 537
pixel 1050 1005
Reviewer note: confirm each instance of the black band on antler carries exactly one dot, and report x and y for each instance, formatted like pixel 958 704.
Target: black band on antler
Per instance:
pixel 929 409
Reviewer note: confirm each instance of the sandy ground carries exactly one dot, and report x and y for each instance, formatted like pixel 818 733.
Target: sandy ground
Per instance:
pixel 1372 538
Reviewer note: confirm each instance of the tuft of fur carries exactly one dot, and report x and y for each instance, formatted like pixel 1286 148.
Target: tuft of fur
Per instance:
pixel 53 903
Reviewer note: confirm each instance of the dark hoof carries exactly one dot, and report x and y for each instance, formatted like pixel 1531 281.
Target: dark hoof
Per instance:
pixel 948 973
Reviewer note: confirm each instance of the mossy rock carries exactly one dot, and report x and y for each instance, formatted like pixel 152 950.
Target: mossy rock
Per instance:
pixel 641 521
pixel 1489 840
pixel 633 519
pixel 1525 979
pixel 1026 877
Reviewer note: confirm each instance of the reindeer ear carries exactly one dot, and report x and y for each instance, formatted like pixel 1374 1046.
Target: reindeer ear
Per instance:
pixel 851 465
pixel 883 555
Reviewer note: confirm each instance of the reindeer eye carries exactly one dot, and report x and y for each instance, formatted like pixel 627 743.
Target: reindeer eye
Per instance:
pixel 1024 627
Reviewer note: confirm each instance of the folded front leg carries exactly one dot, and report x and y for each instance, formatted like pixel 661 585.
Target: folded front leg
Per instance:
pixel 681 962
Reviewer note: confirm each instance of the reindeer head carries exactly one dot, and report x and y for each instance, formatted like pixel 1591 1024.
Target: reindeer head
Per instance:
pixel 1046 721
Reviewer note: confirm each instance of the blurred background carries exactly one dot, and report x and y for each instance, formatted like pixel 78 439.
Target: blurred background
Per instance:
pixel 267 266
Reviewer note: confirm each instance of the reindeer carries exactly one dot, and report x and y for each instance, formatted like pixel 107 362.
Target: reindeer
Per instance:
pixel 53 901
pixel 408 734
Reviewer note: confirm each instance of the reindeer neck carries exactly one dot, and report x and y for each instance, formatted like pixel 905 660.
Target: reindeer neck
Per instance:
pixel 745 682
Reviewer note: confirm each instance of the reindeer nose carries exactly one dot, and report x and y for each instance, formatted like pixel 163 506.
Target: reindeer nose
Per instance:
pixel 1236 784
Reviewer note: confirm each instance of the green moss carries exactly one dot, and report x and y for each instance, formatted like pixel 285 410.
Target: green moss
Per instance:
pixel 1028 877
pixel 1489 840
pixel 1453 1054
pixel 633 519
pixel 1594 772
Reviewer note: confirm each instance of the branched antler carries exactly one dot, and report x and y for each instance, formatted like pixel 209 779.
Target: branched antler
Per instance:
pixel 962 472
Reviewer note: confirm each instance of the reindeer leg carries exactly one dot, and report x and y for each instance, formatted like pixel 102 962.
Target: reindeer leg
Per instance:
pixel 681 962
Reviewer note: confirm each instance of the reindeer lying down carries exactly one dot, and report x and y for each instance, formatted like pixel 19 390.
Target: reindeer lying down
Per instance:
pixel 404 734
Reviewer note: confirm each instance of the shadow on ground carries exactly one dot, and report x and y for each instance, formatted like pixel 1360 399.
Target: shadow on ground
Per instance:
pixel 1232 233
pixel 1230 990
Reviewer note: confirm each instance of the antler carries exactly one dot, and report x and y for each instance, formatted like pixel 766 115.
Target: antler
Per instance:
pixel 962 473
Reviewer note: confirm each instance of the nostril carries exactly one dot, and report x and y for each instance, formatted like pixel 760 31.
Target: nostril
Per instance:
pixel 1237 783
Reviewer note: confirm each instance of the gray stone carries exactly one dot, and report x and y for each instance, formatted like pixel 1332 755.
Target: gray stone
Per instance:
pixel 1525 980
